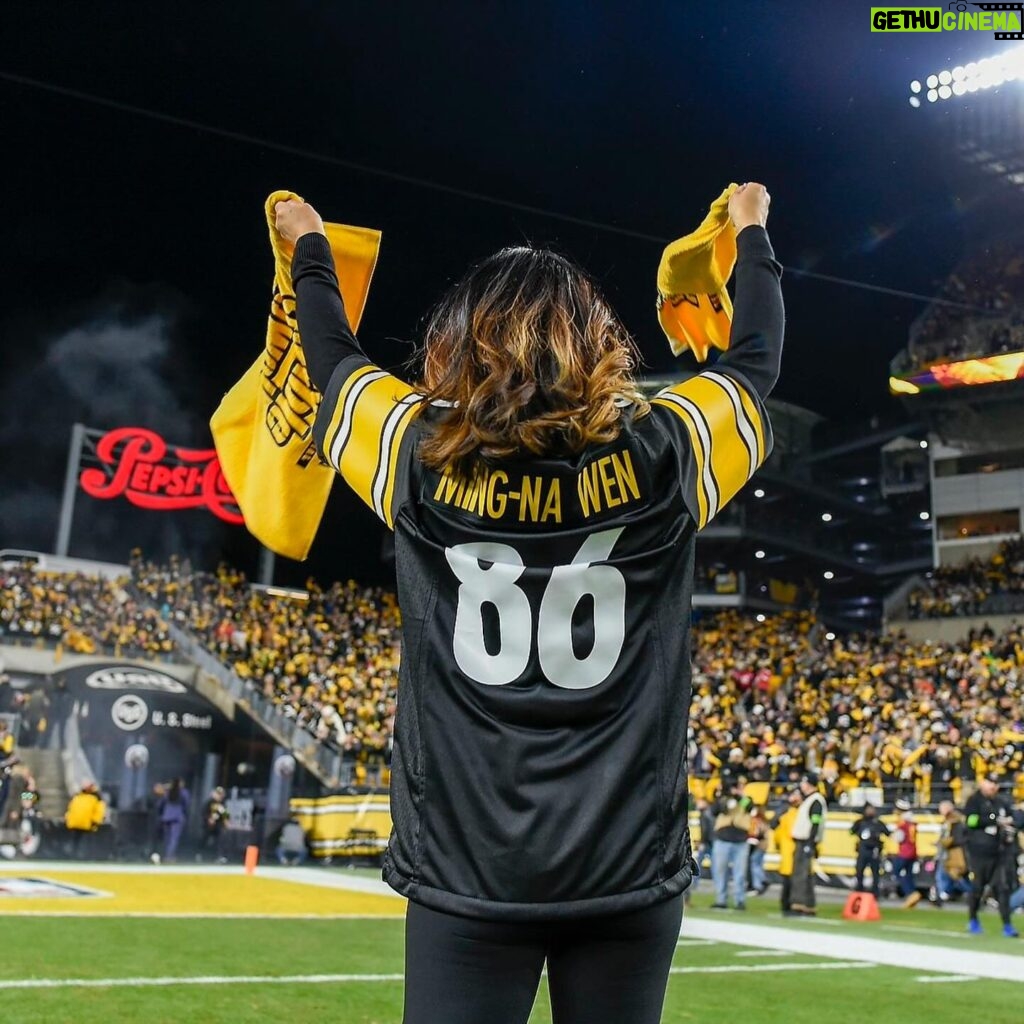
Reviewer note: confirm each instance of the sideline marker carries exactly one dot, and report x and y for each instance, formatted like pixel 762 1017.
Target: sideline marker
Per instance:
pixel 252 856
pixel 861 906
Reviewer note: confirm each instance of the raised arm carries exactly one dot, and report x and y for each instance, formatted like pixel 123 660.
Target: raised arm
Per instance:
pixel 717 418
pixel 365 412
pixel 759 318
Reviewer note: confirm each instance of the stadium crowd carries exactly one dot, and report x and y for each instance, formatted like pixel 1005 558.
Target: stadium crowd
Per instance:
pixel 771 699
pixel 83 614
pixel 968 588
pixel 991 280
pixel 329 659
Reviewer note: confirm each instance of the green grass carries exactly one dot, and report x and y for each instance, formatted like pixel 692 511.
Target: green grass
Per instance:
pixel 121 947
pixel 924 924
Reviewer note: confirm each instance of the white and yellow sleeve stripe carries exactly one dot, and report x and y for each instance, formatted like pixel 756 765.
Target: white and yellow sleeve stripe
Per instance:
pixel 365 431
pixel 728 433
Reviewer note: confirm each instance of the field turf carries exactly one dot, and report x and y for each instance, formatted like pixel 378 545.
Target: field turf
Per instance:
pixel 336 968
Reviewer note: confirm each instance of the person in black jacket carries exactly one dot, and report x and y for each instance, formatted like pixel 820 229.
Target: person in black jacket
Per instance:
pixel 870 831
pixel 991 851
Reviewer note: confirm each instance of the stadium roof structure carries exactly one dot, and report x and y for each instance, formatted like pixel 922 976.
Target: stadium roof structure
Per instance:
pixel 825 523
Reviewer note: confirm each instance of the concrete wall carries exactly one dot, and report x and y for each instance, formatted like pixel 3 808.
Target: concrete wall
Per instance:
pixel 951 630
pixel 41 660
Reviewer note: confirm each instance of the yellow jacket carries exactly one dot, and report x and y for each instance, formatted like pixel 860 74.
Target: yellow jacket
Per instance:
pixel 85 812
pixel 784 843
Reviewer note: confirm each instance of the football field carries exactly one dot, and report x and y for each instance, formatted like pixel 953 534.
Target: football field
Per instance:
pixel 111 944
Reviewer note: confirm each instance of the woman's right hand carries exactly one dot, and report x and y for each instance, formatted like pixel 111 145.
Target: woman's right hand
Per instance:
pixel 295 219
pixel 749 205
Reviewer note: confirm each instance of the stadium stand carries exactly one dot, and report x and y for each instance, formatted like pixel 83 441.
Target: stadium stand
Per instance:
pixel 994 585
pixel 990 279
pixel 82 613
pixel 771 698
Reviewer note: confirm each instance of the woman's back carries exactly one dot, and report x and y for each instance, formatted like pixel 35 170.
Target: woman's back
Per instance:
pixel 539 757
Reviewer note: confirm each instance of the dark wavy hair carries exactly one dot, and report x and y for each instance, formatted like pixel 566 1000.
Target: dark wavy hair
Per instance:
pixel 531 360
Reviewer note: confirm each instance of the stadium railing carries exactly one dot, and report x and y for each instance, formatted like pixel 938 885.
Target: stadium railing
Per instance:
pixel 329 764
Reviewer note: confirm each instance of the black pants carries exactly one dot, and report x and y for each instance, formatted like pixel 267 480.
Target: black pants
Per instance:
pixel 802 892
pixel 869 860
pixel 601 970
pixel 786 895
pixel 989 871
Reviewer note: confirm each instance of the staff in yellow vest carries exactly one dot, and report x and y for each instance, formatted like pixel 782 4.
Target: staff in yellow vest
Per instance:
pixel 782 835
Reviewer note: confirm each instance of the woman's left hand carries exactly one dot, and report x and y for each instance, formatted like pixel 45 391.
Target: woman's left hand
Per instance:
pixel 295 219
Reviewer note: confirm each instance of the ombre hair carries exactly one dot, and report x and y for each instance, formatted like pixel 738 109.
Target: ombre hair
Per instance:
pixel 530 359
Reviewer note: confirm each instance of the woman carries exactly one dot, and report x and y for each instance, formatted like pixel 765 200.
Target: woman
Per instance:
pixel 172 813
pixel 544 517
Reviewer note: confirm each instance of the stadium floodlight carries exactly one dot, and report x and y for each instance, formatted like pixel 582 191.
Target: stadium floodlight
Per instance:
pixel 914 101
pixel 830 636
pixel 990 73
pixel 759 493
pixel 826 517
pixel 828 574
pixel 924 444
pixel 760 617
pixel 759 553
pixel 924 516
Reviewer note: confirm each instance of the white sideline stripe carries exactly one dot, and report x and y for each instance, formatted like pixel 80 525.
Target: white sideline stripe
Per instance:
pixel 762 952
pixel 938 978
pixel 696 942
pixel 212 979
pixel 913 956
pixel 829 965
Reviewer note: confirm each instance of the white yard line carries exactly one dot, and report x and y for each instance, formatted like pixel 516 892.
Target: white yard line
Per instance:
pixel 211 979
pixel 762 952
pixel 939 978
pixel 9 913
pixel 940 959
pixel 341 979
pixel 696 942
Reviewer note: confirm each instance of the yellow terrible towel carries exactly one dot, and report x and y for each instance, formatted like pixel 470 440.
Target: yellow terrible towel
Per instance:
pixel 694 308
pixel 263 429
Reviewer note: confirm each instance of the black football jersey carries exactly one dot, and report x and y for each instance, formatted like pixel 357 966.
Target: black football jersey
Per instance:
pixel 539 754
pixel 539 750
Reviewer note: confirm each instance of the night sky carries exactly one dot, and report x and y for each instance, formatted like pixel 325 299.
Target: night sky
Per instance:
pixel 138 269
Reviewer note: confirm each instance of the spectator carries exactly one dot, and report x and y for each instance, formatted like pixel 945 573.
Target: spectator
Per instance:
pixel 215 821
pixel 172 813
pixel 707 828
pixel 951 874
pixel 729 848
pixel 85 813
pixel 757 839
pixel 291 844
pixel 906 857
